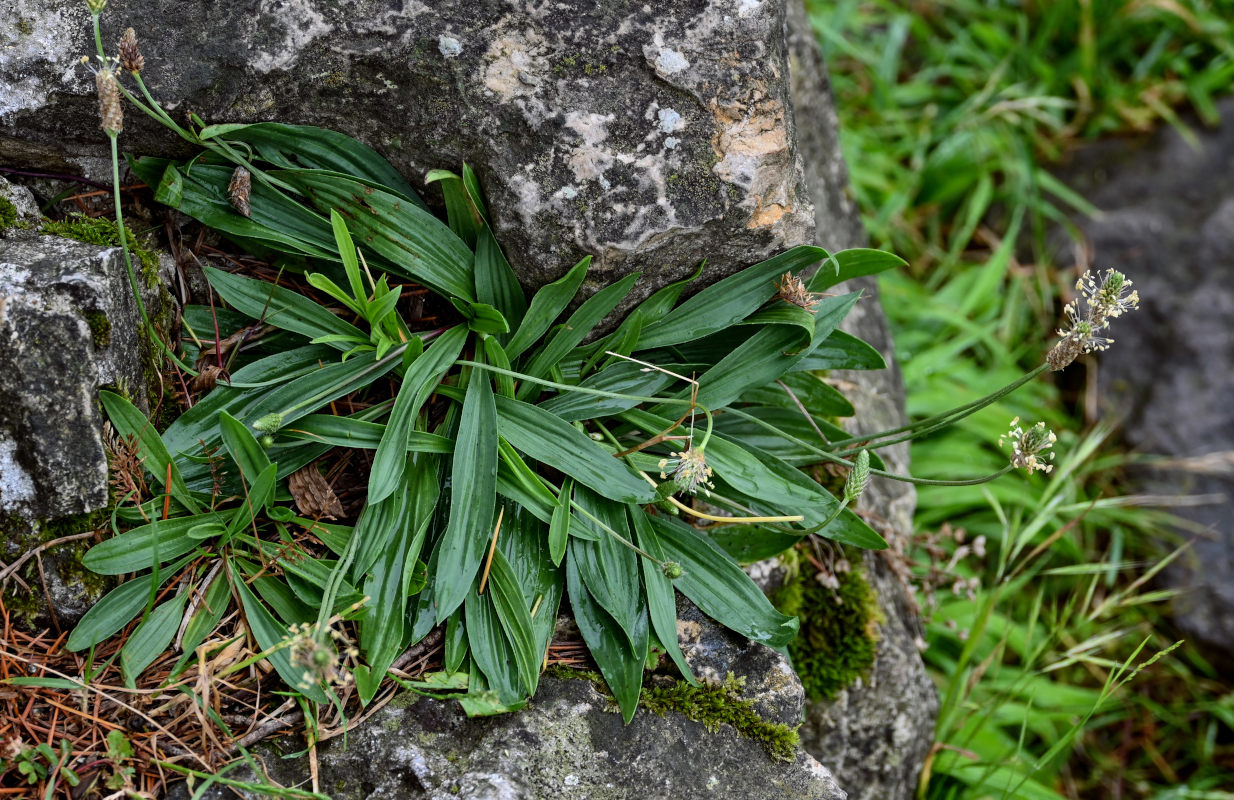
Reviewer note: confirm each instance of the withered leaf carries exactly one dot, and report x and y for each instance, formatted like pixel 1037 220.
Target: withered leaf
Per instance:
pixel 313 495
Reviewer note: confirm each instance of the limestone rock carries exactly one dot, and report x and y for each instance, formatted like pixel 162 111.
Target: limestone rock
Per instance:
pixel 1167 222
pixel 650 136
pixel 68 325
pixel 19 212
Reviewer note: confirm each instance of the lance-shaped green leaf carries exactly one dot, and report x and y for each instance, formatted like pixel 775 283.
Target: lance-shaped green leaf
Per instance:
pixel 293 146
pixel 303 395
pixel 277 222
pixel 419 381
pixel 473 479
pixel 135 549
pixel 512 611
pixel 215 600
pixel 407 235
pixel 622 377
pixel 621 667
pixel 842 350
pixel 768 354
pixel 281 307
pixel 465 220
pixel 384 629
pixel 609 568
pixel 559 526
pixel 545 307
pixel 260 492
pixel 270 634
pixel 852 263
pixel 490 648
pixel 526 549
pixel 818 397
pixel 360 434
pixel 661 597
pixel 719 587
pixel 151 638
pixel 496 283
pixel 130 423
pixel 580 323
pixel 243 447
pixel 549 439
pixel 728 301
pixel 116 609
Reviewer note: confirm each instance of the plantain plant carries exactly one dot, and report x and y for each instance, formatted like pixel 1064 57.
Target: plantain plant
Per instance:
pixel 526 452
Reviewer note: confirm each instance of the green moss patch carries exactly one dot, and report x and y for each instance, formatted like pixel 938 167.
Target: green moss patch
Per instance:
pixel 103 232
pixel 713 704
pixel 8 213
pixel 838 640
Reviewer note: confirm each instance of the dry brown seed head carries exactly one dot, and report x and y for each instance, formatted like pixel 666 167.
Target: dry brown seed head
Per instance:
pixel 111 111
pixel 239 190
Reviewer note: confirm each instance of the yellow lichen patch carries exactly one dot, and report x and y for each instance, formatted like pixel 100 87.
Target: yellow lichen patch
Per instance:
pixel 767 215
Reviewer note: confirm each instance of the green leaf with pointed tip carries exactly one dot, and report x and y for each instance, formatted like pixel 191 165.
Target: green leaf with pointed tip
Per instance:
pixel 151 638
pixel 130 423
pixel 243 447
pixel 496 283
pixel 135 549
pixel 464 220
pixel 419 381
pixel 270 633
pixel 768 354
pixel 842 350
pixel 551 440
pixel 819 398
pixel 853 264
pixel 482 317
pixel 511 607
pixel 728 301
pixel 473 478
pixel 661 596
pixel 490 648
pixel 280 307
pixel 110 614
pixel 580 323
pixel 609 568
pixel 215 601
pixel 408 236
pixel 545 307
pixel 719 587
pixel 320 148
pixel 610 647
pixel 559 527
pixel 622 377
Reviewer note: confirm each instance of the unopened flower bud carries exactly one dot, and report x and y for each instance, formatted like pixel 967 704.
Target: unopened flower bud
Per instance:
pixel 270 423
pixel 130 57
pixel 672 570
pixel 96 6
pixel 111 112
pixel 266 441
pixel 858 477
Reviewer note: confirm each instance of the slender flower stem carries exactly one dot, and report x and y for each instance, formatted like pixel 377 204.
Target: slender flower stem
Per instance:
pixel 931 424
pixel 128 259
pixel 564 387
pixel 837 459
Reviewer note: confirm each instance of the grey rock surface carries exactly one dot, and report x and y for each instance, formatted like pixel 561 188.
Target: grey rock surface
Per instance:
pixel 25 210
pixel 1167 221
pixel 68 325
pixel 650 136
pixel 570 743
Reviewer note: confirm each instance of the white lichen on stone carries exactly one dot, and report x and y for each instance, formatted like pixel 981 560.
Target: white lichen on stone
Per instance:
pixel 671 142
pixel 747 7
pixel 37 42
pixel 670 62
pixel 514 65
pixel 16 485
pixel 449 46
pixel 670 120
pixel 301 24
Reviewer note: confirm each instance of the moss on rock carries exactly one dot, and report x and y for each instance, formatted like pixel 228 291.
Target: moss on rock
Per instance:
pixel 839 636
pixel 8 213
pixel 104 232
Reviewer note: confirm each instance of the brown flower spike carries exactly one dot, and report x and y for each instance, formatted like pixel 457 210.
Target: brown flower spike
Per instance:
pixel 111 112
pixel 130 57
